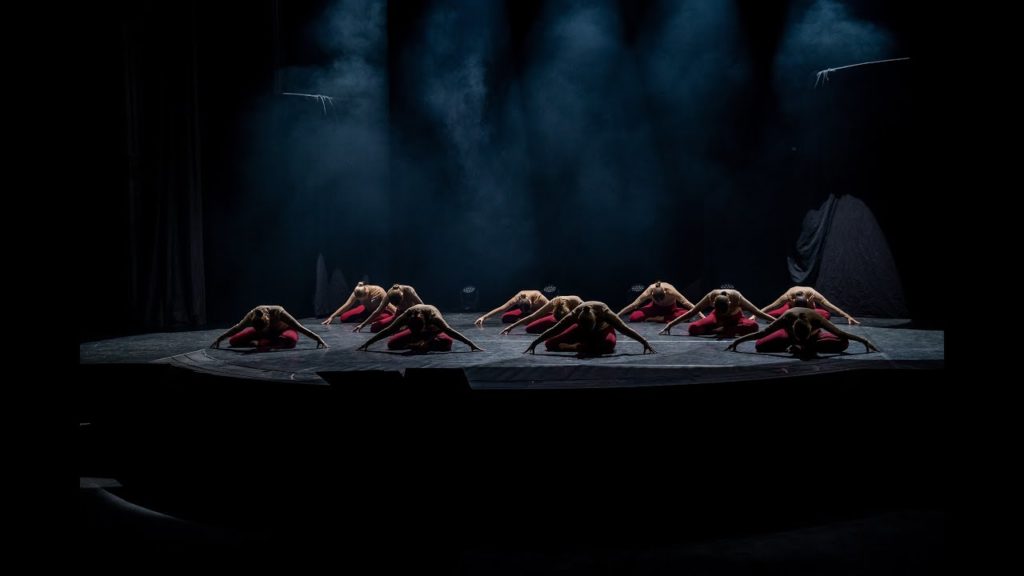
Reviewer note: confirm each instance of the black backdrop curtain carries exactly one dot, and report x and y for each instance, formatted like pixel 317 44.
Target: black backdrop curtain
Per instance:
pixel 805 262
pixel 162 149
pixel 844 254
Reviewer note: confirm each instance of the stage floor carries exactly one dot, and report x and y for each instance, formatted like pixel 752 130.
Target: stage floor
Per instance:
pixel 681 359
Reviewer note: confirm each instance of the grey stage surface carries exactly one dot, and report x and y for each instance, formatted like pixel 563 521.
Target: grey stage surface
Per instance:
pixel 681 359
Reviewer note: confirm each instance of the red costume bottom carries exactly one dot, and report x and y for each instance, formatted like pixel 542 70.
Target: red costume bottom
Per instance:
pixel 600 342
pixel 732 326
pixel 247 338
pixel 782 310
pixel 540 325
pixel 355 314
pixel 381 322
pixel 429 340
pixel 652 310
pixel 779 341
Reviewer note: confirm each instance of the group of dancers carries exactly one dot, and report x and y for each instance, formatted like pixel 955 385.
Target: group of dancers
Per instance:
pixel 798 321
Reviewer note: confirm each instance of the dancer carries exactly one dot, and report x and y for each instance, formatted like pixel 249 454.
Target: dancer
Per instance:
pixel 665 304
pixel 266 327
pixel 726 320
pixel 400 297
pixel 804 332
pixel 588 329
pixel 420 328
pixel 548 315
pixel 364 299
pixel 522 304
pixel 805 297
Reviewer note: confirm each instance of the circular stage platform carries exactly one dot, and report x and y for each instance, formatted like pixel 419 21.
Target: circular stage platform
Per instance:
pixel 681 359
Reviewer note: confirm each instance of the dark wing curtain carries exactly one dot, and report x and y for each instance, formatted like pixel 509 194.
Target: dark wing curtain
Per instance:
pixel 165 201
pixel 843 253
pixel 803 265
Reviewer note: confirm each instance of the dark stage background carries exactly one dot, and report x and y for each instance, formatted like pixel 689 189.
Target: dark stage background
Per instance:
pixel 508 145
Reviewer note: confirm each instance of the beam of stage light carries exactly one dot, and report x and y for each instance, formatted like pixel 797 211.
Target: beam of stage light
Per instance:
pixel 321 97
pixel 822 76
